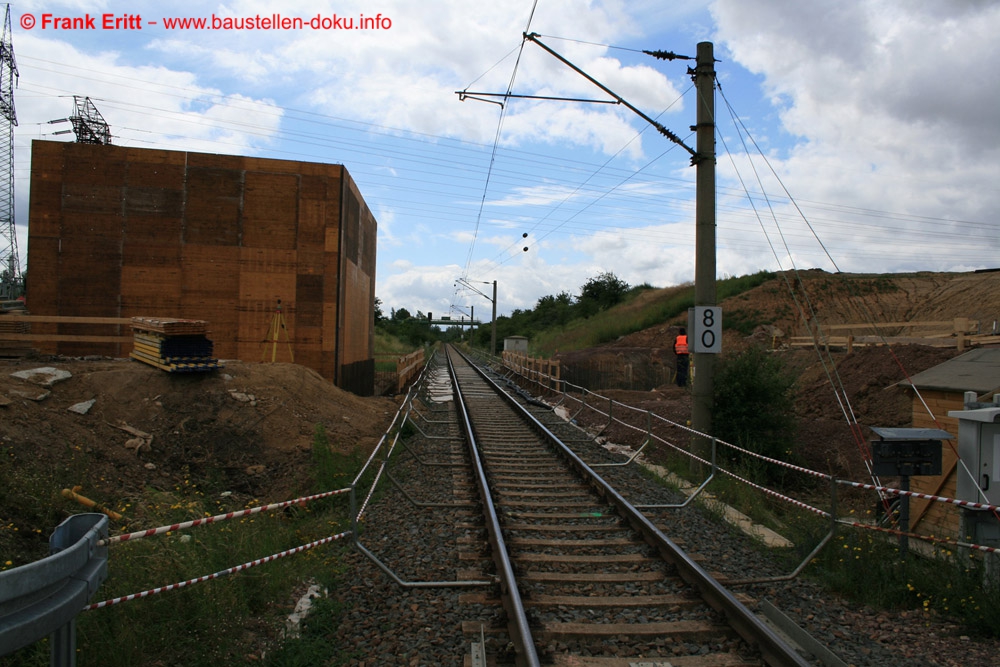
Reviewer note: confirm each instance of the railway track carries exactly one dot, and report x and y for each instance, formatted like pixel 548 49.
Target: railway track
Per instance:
pixel 584 578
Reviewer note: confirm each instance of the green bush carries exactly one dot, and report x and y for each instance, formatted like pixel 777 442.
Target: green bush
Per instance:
pixel 753 408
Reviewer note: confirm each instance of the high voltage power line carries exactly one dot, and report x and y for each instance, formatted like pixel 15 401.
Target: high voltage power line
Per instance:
pixel 462 161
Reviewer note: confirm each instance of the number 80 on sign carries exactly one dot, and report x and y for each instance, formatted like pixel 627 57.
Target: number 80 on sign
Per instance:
pixel 705 327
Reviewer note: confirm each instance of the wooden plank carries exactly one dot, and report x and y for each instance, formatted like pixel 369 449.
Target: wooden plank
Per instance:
pixel 66 319
pixel 154 202
pixel 66 338
pixel 46 193
pixel 932 485
pixel 268 288
pixel 268 260
pixel 144 171
pixel 93 164
pixel 315 187
pixel 271 166
pixel 312 218
pixel 213 161
pixel 688 630
pixel 709 660
pixel 158 157
pixel 614 601
pixel 84 232
pixel 887 325
pixel 210 272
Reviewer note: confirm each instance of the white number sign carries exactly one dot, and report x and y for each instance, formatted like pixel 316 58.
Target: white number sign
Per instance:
pixel 706 329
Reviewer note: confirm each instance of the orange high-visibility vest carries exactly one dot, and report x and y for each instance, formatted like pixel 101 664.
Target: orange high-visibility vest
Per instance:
pixel 681 345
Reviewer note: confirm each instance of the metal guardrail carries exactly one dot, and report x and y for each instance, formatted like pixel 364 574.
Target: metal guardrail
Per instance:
pixel 42 599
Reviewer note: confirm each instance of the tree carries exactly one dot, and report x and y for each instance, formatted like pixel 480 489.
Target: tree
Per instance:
pixel 551 311
pixel 601 292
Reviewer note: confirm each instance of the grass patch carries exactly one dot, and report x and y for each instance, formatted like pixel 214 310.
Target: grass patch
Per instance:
pixel 644 309
pixel 332 469
pixel 229 620
pixel 387 344
pixel 745 320
pixel 868 569
pixel 315 644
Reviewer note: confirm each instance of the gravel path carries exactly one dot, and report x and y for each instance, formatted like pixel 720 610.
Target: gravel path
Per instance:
pixel 385 624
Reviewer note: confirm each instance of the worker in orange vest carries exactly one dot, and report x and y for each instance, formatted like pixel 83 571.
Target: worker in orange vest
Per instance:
pixel 681 350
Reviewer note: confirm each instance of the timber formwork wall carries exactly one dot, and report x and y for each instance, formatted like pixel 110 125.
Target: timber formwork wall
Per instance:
pixel 928 517
pixel 121 232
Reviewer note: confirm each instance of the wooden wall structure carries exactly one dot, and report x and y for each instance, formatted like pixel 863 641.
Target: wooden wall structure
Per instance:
pixel 119 232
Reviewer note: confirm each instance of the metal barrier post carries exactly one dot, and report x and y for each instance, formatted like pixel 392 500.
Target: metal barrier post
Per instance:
pixel 43 598
pixel 354 513
pixel 72 531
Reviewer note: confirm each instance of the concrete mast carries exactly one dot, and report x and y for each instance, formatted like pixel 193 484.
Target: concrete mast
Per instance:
pixel 704 272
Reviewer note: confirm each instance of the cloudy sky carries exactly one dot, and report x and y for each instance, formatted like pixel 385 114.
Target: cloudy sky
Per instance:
pixel 854 135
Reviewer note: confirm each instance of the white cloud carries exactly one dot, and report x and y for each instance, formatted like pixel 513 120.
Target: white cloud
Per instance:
pixel 878 117
pixel 894 112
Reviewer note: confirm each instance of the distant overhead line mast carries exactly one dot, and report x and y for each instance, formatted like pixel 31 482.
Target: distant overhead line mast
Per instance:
pixel 11 282
pixel 89 125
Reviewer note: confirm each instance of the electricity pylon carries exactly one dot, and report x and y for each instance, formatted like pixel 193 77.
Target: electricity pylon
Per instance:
pixel 11 281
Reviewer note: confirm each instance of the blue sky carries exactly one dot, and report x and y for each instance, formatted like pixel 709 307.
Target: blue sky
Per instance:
pixel 880 123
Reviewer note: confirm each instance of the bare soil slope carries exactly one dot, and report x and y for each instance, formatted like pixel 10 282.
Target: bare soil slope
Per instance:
pixel 853 298
pixel 247 429
pixel 870 376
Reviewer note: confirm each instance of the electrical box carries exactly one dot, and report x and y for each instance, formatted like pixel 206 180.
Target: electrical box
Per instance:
pixel 979 448
pixel 905 452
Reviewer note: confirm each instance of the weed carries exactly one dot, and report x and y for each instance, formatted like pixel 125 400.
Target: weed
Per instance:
pixel 869 569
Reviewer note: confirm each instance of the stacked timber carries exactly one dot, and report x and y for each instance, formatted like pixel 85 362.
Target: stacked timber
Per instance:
pixel 172 345
pixel 10 328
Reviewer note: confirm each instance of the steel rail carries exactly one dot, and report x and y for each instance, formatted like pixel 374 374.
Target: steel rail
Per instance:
pixel 775 650
pixel 517 620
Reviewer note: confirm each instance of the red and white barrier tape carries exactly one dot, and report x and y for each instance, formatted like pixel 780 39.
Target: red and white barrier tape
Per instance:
pixel 778 462
pixel 926 538
pixel 924 496
pixel 775 494
pixel 207 577
pixel 218 517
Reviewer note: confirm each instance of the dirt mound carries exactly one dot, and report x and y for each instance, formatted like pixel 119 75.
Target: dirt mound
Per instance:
pixel 247 428
pixel 834 299
pixel 870 379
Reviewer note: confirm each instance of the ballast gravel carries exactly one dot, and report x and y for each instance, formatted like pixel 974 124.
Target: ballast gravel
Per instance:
pixel 384 623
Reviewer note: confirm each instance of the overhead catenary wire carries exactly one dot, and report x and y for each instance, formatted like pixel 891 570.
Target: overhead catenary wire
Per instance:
pixel 810 320
pixel 829 367
pixel 605 193
pixel 496 143
pixel 436 165
pixel 871 321
pixel 955 242
pixel 314 139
